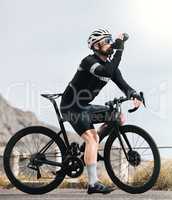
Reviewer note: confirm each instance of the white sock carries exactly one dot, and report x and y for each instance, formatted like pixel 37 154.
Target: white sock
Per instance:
pixel 92 174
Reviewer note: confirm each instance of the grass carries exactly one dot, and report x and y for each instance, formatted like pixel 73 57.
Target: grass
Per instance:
pixel 164 181
pixel 5 183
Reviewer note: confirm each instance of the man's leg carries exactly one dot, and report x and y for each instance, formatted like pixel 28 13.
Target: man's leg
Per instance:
pixel 91 139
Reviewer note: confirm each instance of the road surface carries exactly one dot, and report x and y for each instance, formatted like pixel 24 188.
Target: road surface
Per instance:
pixel 65 194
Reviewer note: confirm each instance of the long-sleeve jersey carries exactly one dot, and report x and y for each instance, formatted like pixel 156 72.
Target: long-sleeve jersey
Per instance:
pixel 91 76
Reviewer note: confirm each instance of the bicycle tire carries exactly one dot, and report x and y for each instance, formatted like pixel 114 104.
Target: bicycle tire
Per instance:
pixel 156 170
pixel 58 178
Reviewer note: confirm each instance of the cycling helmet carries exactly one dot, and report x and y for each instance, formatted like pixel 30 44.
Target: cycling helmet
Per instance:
pixel 98 35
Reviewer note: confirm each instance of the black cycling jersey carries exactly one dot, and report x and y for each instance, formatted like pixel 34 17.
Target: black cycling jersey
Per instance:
pixel 91 76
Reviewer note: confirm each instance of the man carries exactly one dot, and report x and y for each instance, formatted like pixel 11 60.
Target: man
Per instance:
pixel 92 75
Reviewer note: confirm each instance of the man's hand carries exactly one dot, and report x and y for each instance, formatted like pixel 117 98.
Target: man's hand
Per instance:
pixel 123 36
pixel 119 42
pixel 137 100
pixel 120 36
pixel 137 103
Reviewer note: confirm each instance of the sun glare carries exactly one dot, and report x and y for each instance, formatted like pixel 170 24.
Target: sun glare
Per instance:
pixel 154 16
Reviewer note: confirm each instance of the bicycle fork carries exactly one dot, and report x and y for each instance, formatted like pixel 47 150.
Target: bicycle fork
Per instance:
pixel 120 135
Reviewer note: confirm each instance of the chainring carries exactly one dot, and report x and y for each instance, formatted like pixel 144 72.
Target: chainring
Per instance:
pixel 74 167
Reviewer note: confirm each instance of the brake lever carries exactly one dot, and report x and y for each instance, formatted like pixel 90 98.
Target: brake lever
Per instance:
pixel 133 109
pixel 143 99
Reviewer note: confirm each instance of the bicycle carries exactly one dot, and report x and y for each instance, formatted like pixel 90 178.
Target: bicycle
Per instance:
pixel 46 157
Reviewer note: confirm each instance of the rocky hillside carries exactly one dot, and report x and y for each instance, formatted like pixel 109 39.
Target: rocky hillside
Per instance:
pixel 13 119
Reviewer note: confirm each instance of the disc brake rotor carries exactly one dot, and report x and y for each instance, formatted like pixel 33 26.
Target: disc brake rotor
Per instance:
pixel 134 158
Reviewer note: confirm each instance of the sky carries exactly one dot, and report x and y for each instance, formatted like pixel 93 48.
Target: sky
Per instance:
pixel 42 42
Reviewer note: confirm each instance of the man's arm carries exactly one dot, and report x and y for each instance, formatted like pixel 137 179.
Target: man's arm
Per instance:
pixel 121 83
pixel 105 70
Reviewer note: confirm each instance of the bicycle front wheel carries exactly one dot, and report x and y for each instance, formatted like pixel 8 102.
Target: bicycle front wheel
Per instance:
pixel 138 169
pixel 26 158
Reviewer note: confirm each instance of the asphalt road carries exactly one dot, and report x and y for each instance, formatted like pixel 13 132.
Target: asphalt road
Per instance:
pixel 64 194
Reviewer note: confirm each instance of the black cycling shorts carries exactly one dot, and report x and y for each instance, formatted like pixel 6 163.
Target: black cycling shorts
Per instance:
pixel 83 118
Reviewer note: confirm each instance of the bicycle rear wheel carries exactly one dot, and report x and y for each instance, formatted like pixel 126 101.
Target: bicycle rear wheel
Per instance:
pixel 23 153
pixel 140 172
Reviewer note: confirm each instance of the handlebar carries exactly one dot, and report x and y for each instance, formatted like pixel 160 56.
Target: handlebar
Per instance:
pixel 120 100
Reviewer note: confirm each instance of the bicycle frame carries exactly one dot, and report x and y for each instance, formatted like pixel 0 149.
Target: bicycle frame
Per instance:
pixel 114 127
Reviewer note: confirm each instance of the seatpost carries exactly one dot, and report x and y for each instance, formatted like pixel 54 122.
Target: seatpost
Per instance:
pixel 56 109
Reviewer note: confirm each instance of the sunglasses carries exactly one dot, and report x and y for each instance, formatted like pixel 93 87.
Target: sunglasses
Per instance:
pixel 108 40
pixel 105 41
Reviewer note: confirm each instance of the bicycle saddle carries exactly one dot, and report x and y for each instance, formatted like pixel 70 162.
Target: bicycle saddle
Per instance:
pixel 52 96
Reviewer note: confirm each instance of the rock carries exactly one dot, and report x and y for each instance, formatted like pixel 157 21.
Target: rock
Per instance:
pixel 14 119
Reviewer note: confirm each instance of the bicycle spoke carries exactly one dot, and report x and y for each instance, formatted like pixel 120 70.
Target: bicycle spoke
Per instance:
pixel 27 147
pixel 137 141
pixel 120 165
pixel 27 175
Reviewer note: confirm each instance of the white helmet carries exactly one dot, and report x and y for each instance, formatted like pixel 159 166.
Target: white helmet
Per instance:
pixel 97 35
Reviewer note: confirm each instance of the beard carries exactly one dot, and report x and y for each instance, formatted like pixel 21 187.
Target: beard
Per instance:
pixel 108 52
